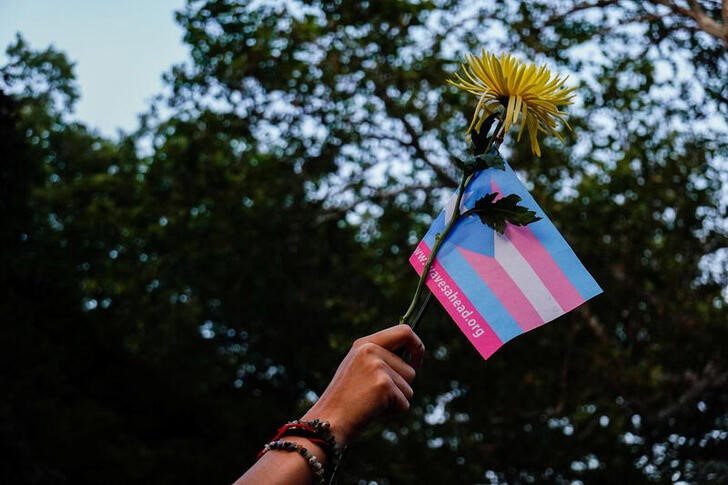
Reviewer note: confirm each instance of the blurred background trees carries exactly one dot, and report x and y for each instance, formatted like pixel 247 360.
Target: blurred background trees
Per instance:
pixel 173 295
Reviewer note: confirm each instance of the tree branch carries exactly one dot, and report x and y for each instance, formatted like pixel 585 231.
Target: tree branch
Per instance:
pixel 414 136
pixel 707 23
pixel 577 8
pixel 415 143
pixel 378 196
pixel 711 378
pixel 594 324
pixel 704 21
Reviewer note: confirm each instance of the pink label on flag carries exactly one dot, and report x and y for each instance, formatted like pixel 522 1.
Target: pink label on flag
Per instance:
pixel 466 317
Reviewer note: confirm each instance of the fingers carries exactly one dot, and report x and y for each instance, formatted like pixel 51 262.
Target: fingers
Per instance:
pixel 398 400
pixel 391 376
pixel 398 337
pixel 388 359
pixel 390 373
pixel 394 391
pixel 402 385
pixel 398 365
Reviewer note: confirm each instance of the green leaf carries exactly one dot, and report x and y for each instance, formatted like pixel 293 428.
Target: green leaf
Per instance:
pixel 495 213
pixel 480 138
pixel 492 159
pixel 482 162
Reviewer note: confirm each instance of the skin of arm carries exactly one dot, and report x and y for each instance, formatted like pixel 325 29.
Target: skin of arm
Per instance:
pixel 370 381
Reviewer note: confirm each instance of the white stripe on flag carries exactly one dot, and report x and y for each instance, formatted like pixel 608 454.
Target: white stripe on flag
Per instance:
pixel 526 279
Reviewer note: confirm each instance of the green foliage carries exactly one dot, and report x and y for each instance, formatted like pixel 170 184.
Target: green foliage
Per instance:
pixel 163 313
pixel 481 140
pixel 46 76
pixel 480 162
pixel 496 213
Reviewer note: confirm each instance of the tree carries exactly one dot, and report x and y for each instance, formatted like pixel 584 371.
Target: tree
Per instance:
pixel 150 272
pixel 360 86
pixel 218 279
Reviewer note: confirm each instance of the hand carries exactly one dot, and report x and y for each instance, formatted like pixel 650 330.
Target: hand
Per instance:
pixel 369 381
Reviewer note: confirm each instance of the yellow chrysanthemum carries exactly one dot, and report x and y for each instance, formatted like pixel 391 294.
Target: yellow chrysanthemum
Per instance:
pixel 528 93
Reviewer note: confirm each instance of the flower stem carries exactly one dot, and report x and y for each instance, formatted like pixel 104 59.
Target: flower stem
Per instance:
pixel 439 238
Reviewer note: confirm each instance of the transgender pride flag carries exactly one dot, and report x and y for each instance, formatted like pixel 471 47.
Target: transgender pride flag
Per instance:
pixel 495 286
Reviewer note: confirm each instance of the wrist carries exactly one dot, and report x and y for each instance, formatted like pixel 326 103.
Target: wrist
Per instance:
pixel 338 428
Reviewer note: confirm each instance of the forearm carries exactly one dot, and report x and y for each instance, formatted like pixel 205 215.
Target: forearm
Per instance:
pixel 276 467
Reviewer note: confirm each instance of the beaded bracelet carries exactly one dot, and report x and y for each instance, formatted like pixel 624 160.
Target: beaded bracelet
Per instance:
pixel 315 465
pixel 316 431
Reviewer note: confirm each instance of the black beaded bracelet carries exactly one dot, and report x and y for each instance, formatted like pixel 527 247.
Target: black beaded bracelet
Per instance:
pixel 316 467
pixel 312 429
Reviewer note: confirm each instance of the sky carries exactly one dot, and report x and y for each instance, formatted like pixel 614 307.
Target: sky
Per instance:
pixel 120 48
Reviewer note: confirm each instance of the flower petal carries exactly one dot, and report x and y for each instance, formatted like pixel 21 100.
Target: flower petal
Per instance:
pixel 528 94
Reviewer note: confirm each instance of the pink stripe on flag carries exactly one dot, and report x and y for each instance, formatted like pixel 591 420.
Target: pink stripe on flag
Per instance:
pixel 438 281
pixel 504 289
pixel 545 267
pixel 543 264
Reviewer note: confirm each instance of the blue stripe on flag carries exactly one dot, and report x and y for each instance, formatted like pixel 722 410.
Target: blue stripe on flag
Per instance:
pixel 478 293
pixel 437 226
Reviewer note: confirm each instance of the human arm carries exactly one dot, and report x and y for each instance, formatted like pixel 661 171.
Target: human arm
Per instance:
pixel 370 381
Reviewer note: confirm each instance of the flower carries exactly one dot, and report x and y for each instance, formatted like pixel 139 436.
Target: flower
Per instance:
pixel 527 92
